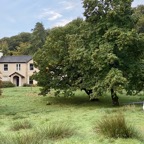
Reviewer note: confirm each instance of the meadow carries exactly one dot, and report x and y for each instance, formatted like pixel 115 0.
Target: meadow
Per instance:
pixel 28 118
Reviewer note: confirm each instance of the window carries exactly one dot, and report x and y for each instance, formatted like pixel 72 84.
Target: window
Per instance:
pixel 30 80
pixel 31 66
pixel 5 67
pixel 18 67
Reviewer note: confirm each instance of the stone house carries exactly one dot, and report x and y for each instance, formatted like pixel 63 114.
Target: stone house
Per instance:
pixel 17 69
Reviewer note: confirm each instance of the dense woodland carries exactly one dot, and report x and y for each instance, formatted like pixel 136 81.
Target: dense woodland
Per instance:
pixel 104 52
pixel 24 43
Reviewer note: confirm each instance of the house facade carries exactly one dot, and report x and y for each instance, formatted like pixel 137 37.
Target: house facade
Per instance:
pixel 17 69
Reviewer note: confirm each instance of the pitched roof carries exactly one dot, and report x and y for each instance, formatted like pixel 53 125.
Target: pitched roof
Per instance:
pixel 16 73
pixel 15 59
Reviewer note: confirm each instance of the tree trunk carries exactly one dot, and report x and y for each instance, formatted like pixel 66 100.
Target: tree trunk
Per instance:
pixel 114 97
pixel 89 92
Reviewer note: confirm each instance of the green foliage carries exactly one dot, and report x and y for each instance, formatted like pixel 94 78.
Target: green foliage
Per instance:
pixel 27 85
pixel 119 52
pixel 38 38
pixel 24 43
pixel 7 84
pixel 10 45
pixel 115 126
pixel 139 16
pixel 4 47
pixel 59 61
pixel 103 53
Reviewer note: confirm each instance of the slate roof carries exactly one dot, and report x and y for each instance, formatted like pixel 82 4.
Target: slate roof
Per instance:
pixel 15 59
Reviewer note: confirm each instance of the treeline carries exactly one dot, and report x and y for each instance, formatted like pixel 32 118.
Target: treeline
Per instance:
pixel 24 43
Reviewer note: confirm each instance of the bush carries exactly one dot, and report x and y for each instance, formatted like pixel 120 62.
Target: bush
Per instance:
pixel 27 85
pixel 7 84
pixel 115 126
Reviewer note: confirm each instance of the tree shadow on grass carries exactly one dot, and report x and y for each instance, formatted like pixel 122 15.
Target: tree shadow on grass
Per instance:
pixel 82 100
pixel 78 101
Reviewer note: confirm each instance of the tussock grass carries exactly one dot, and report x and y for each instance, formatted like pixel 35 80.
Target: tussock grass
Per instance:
pixel 56 131
pixel 27 138
pixel 18 125
pixel 129 108
pixel 20 138
pixel 115 126
pixel 53 131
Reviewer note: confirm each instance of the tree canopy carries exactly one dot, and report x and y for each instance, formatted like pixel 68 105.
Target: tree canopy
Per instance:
pixel 24 43
pixel 103 53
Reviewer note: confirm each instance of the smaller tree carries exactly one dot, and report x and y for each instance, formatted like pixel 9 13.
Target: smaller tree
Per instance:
pixel 4 47
pixel 38 37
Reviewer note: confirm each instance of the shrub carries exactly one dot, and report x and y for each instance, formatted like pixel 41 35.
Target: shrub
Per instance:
pixel 26 85
pixel 115 126
pixel 7 84
pixel 16 126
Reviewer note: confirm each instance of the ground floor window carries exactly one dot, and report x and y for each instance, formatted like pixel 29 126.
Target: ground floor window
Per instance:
pixel 30 80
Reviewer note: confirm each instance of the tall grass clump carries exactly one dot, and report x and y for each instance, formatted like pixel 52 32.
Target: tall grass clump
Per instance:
pixel 56 131
pixel 18 125
pixel 21 138
pixel 115 126
pixel 27 138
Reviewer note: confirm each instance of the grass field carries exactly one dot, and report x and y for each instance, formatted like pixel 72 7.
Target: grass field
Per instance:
pixel 26 118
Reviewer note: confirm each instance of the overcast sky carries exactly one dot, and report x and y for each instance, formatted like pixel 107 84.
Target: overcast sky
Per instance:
pixel 18 16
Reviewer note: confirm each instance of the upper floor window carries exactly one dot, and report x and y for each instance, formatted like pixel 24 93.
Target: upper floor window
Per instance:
pixel 5 67
pixel 31 66
pixel 18 67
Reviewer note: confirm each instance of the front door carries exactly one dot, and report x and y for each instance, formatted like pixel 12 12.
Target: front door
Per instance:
pixel 16 80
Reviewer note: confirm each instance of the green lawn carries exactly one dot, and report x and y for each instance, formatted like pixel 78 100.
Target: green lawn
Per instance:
pixel 23 104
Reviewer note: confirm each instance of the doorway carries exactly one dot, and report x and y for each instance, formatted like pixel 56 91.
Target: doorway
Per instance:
pixel 16 80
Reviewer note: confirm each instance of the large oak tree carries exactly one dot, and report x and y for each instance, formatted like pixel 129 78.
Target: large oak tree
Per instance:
pixel 99 55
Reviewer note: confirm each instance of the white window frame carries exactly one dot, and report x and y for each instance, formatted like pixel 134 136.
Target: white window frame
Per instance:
pixel 18 67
